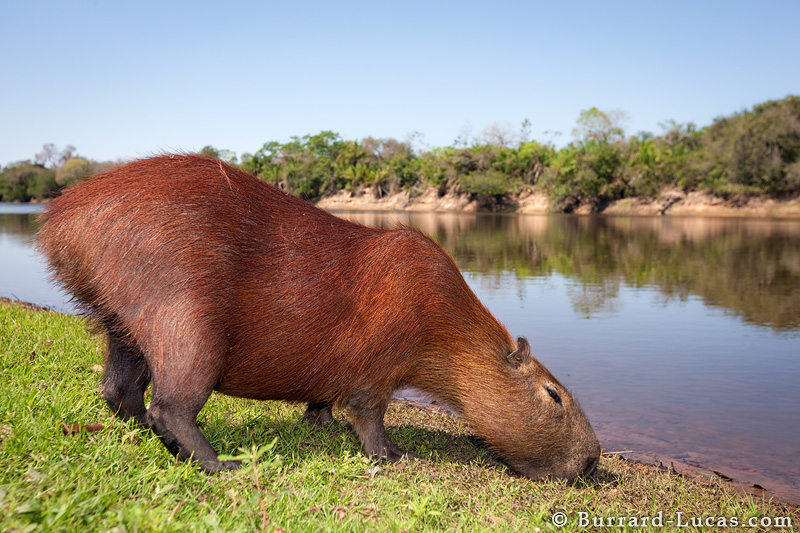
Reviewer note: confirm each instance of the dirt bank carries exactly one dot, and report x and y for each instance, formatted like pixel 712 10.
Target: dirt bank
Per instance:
pixel 670 202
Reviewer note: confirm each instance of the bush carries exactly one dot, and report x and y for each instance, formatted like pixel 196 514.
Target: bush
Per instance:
pixel 755 151
pixel 588 171
pixel 487 183
pixel 72 171
pixel 26 181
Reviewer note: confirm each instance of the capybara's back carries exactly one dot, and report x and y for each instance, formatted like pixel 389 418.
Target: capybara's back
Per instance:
pixel 206 278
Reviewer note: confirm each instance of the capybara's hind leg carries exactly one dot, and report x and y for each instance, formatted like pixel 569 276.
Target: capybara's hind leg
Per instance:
pixel 176 426
pixel 178 430
pixel 318 414
pixel 366 415
pixel 181 387
pixel 126 378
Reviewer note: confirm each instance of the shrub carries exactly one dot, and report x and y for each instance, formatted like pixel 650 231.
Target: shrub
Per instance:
pixel 26 181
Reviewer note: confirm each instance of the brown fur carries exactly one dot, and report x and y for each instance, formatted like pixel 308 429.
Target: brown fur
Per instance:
pixel 205 278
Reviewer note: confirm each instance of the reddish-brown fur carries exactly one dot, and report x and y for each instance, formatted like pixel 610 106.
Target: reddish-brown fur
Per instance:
pixel 205 278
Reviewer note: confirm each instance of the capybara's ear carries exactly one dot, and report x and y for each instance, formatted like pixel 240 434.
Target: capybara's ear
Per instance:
pixel 520 356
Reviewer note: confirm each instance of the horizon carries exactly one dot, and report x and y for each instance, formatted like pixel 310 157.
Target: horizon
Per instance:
pixel 121 82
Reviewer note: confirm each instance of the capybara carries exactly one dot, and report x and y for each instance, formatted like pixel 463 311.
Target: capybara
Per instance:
pixel 205 278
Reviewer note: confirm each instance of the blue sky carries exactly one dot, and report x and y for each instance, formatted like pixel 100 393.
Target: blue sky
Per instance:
pixel 129 79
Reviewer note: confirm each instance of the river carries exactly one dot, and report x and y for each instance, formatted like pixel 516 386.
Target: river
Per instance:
pixel 679 336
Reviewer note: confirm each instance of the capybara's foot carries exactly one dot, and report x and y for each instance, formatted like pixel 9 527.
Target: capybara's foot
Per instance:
pixel 318 414
pixel 179 433
pixel 211 467
pixel 409 456
pixel 391 453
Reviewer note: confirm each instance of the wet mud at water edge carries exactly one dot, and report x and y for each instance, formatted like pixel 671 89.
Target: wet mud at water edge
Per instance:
pixel 679 336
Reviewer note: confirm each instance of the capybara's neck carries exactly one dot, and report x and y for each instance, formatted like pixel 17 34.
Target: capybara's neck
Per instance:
pixel 467 376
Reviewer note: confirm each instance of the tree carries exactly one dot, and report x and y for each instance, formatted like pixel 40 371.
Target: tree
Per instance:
pixel 499 134
pixel 603 126
pixel 756 151
pixel 416 141
pixel 679 136
pixel 229 156
pixel 25 181
pixel 50 156
pixel 42 184
pixel 209 151
pixel 525 132
pixel 464 135
pixel 384 149
pixel 214 153
pixel 72 171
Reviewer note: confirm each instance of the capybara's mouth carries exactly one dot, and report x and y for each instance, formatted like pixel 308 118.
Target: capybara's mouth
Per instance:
pixel 544 473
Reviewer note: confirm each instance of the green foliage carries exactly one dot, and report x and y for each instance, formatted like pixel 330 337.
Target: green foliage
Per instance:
pixel 215 153
pixel 754 152
pixel 72 171
pixel 27 181
pixel 588 171
pixel 314 165
pixel 487 183
pixel 643 170
pixel 596 125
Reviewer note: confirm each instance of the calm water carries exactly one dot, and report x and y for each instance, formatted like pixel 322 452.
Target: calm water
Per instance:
pixel 680 336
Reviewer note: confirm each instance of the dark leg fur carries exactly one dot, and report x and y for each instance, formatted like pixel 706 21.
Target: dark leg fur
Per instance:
pixel 126 378
pixel 177 429
pixel 318 414
pixel 366 416
pixel 182 383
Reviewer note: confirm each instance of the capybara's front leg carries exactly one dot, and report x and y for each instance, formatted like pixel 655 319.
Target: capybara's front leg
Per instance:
pixel 126 378
pixel 366 415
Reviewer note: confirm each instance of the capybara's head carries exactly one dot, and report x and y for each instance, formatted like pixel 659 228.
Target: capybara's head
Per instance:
pixel 535 424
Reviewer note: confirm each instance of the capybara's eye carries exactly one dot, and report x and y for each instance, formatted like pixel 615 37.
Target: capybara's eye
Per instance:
pixel 553 394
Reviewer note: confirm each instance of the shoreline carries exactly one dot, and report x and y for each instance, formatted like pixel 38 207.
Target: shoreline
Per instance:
pixel 700 473
pixel 672 202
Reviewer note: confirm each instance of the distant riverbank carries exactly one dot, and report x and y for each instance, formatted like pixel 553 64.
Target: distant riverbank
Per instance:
pixel 673 202
pixel 670 202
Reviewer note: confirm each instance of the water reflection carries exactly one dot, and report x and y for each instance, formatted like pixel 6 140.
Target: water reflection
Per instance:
pixel 750 268
pixel 23 275
pixel 17 224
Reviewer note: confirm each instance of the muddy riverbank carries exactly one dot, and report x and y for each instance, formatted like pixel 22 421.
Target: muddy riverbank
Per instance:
pixel 670 202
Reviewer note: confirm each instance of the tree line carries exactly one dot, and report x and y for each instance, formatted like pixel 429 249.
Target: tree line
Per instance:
pixel 753 152
pixel 50 171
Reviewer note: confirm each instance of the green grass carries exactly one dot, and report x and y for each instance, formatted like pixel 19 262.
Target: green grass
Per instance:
pixel 295 479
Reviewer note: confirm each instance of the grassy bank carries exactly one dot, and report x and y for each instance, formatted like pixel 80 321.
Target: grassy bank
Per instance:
pixel 121 478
